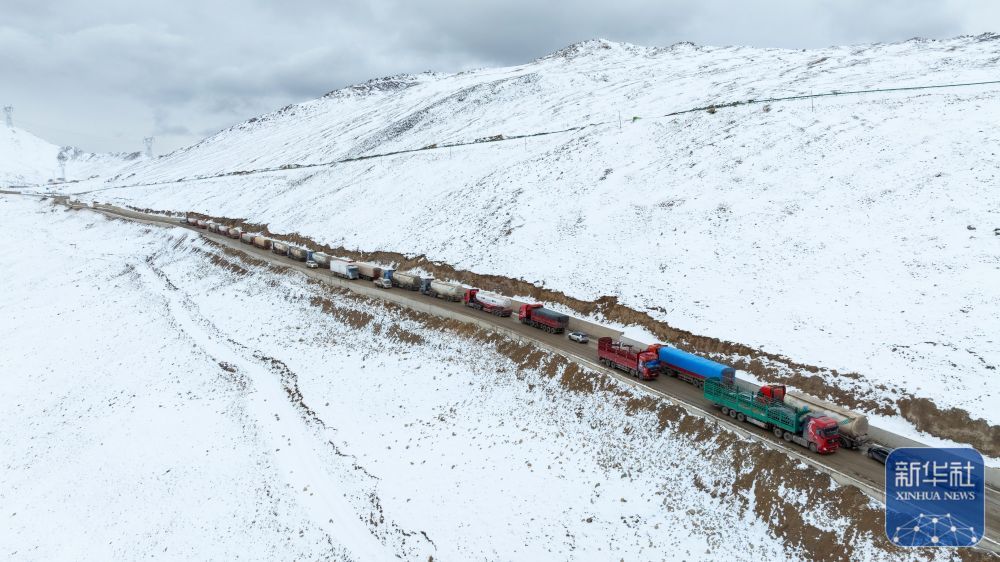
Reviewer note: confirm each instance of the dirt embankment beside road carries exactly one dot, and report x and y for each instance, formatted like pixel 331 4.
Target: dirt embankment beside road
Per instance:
pixel 770 483
pixel 954 424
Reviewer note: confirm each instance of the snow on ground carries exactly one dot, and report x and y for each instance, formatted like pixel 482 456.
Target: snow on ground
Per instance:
pixel 165 399
pixel 26 159
pixel 854 233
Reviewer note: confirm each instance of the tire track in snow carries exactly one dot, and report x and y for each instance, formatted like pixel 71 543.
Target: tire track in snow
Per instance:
pixel 293 431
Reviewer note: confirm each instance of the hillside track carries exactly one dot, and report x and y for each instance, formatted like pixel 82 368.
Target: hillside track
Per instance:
pixel 847 467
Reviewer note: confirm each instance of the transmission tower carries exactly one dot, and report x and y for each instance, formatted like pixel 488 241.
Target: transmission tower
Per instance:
pixel 149 146
pixel 8 111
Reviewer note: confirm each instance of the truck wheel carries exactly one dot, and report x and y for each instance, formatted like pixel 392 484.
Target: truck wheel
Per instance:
pixel 787 436
pixel 812 447
pixel 725 411
pixel 741 417
pixel 732 414
pixel 777 432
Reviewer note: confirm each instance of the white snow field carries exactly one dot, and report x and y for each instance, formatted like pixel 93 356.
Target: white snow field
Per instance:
pixel 26 159
pixel 852 232
pixel 165 399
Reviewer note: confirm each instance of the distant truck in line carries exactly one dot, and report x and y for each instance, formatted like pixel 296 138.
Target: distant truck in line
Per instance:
pixel 445 290
pixel 765 407
pixel 542 318
pixel 644 364
pixel 487 302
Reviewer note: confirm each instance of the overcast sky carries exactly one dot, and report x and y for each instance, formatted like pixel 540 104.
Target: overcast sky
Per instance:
pixel 103 74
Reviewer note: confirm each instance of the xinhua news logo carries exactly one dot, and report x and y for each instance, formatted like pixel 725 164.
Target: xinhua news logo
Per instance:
pixel 935 497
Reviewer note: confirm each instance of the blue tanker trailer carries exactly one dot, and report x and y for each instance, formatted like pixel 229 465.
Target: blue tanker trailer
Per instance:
pixel 692 368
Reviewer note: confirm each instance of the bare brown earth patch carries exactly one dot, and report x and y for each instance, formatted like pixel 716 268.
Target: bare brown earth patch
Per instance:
pixel 957 425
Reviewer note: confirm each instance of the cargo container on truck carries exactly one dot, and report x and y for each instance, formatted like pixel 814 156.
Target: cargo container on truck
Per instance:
pixel 445 290
pixel 262 242
pixel 487 302
pixel 344 268
pixel 235 233
pixel 202 223
pixel 542 318
pixel 765 407
pixel 279 248
pixel 192 221
pixel 246 238
pixel 643 364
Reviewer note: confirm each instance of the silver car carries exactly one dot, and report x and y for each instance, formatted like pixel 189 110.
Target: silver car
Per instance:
pixel 578 337
pixel 311 264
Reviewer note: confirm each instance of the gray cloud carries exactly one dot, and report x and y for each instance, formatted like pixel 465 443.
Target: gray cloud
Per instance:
pixel 102 74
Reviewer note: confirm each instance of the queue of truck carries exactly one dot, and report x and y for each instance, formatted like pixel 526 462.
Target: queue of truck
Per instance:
pixel 817 425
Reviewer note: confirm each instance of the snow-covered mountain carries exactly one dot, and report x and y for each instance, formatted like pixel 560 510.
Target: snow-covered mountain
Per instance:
pixel 854 232
pixel 26 159
pixel 169 398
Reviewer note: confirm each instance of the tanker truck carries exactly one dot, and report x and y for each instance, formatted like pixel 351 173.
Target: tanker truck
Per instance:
pixel 322 260
pixel 411 281
pixel 542 318
pixel 488 302
pixel 765 407
pixel 279 248
pixel 262 242
pixel 296 253
pixel 692 368
pixel 445 290
pixel 246 238
pixel 235 232
pixel 853 426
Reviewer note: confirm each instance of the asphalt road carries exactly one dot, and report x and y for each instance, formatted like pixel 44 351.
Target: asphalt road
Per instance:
pixel 845 466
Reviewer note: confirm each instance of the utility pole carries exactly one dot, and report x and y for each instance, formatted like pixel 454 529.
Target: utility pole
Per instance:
pixel 8 111
pixel 149 146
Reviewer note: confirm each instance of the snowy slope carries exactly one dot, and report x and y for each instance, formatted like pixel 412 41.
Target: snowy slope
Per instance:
pixel 26 160
pixel 850 232
pixel 165 398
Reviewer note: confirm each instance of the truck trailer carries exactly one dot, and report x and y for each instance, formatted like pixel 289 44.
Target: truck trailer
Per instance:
pixel 692 368
pixel 235 232
pixel 765 407
pixel 192 221
pixel 279 248
pixel 371 272
pixel 624 357
pixel 853 426
pixel 344 268
pixel 488 302
pixel 445 290
pixel 246 238
pixel 296 253
pixel 542 318
pixel 262 242
pixel 322 260
pixel 411 281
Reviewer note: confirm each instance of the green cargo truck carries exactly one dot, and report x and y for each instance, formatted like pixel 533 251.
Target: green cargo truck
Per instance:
pixel 765 407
